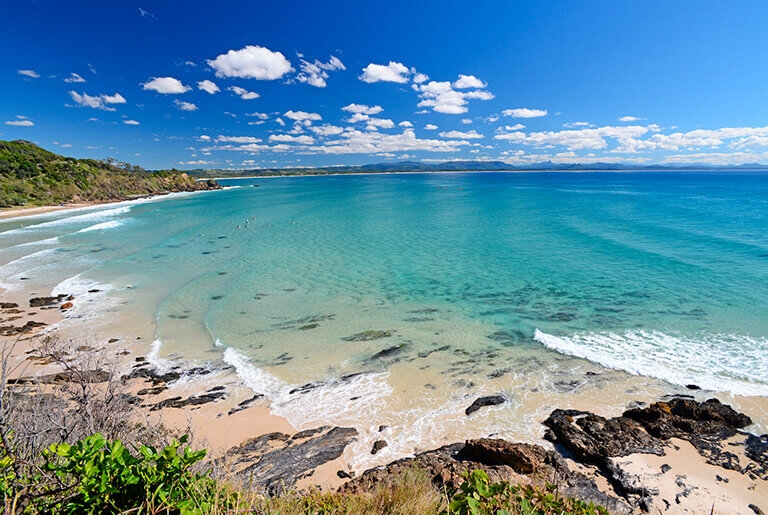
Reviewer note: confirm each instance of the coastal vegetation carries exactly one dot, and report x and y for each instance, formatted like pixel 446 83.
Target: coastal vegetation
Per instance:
pixel 31 175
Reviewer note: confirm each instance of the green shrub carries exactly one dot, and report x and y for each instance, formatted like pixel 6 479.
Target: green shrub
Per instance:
pixel 477 496
pixel 95 476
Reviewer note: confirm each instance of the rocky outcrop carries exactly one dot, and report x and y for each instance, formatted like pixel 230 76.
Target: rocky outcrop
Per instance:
pixel 274 462
pixel 501 460
pixel 593 439
pixel 84 376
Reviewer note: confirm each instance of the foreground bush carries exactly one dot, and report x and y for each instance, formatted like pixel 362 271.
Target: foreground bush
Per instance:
pixel 96 476
pixel 478 496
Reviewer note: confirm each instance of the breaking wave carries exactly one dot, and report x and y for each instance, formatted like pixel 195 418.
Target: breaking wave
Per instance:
pixel 712 361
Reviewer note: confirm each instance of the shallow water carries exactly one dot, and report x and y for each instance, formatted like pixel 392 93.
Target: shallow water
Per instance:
pixel 478 283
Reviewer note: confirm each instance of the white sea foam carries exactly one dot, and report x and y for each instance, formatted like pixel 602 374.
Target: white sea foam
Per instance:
pixel 162 365
pixel 13 270
pixel 103 225
pixel 712 361
pixel 257 379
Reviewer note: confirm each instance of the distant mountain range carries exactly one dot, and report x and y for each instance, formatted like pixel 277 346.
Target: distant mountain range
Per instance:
pixel 472 166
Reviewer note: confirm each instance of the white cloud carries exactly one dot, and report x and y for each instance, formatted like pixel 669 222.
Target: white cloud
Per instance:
pixel 362 109
pixel 204 137
pixel 358 117
pixel 392 72
pixel 315 73
pixel 515 127
pixel 97 102
pixel 418 78
pixel 442 98
pixel 280 121
pixel 166 85
pixel 524 112
pixel 117 98
pixel 466 121
pixel 302 115
pixel 73 77
pixel 572 125
pixel 461 135
pixel 430 127
pixel 287 138
pixel 251 62
pixel 21 121
pixel 359 142
pixel 238 139
pixel 382 123
pixel 243 93
pixel 185 106
pixel 208 86
pixel 29 73
pixel 629 119
pixel 326 130
pixel 198 162
pixel 469 81
pixel 405 123
pixel 260 116
pixel 130 122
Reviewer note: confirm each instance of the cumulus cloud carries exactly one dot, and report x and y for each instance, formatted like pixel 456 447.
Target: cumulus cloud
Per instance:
pixel 185 106
pixel 430 127
pixel 251 62
pixel 442 98
pixel 29 73
pixel 364 142
pixel 97 102
pixel 302 115
pixel 238 139
pixel 466 121
pixel 130 122
pixel 166 85
pixel 461 135
pixel 524 112
pixel 73 77
pixel 362 109
pixel 469 81
pixel 198 162
pixel 315 73
pixel 20 121
pixel 628 119
pixel 382 123
pixel 326 130
pixel 288 138
pixel 405 123
pixel 208 86
pixel 243 93
pixel 418 78
pixel 392 72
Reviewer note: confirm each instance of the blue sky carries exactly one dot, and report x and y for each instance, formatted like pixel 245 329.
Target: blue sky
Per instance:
pixel 272 84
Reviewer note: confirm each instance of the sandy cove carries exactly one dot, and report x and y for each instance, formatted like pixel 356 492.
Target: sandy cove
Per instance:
pixel 632 467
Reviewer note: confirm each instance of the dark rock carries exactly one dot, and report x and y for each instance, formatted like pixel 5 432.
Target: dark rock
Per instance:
pixel 67 305
pixel 12 330
pixel 378 445
pixel 95 290
pixel 46 301
pixel 367 336
pixel 491 400
pixel 757 510
pixel 391 351
pixel 242 405
pixel 86 376
pixel 197 400
pixel 343 474
pixel 309 326
pixel 273 463
pixel 113 340
pixel 8 305
pixel 693 387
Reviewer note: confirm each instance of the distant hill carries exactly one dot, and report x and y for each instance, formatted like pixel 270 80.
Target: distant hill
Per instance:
pixel 30 175
pixel 470 166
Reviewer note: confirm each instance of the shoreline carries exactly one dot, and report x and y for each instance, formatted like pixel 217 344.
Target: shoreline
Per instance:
pixel 230 423
pixel 14 213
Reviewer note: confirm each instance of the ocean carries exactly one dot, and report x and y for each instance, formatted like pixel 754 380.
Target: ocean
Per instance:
pixel 397 299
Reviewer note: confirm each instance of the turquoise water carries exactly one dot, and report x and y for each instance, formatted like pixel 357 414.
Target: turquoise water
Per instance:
pixel 485 282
